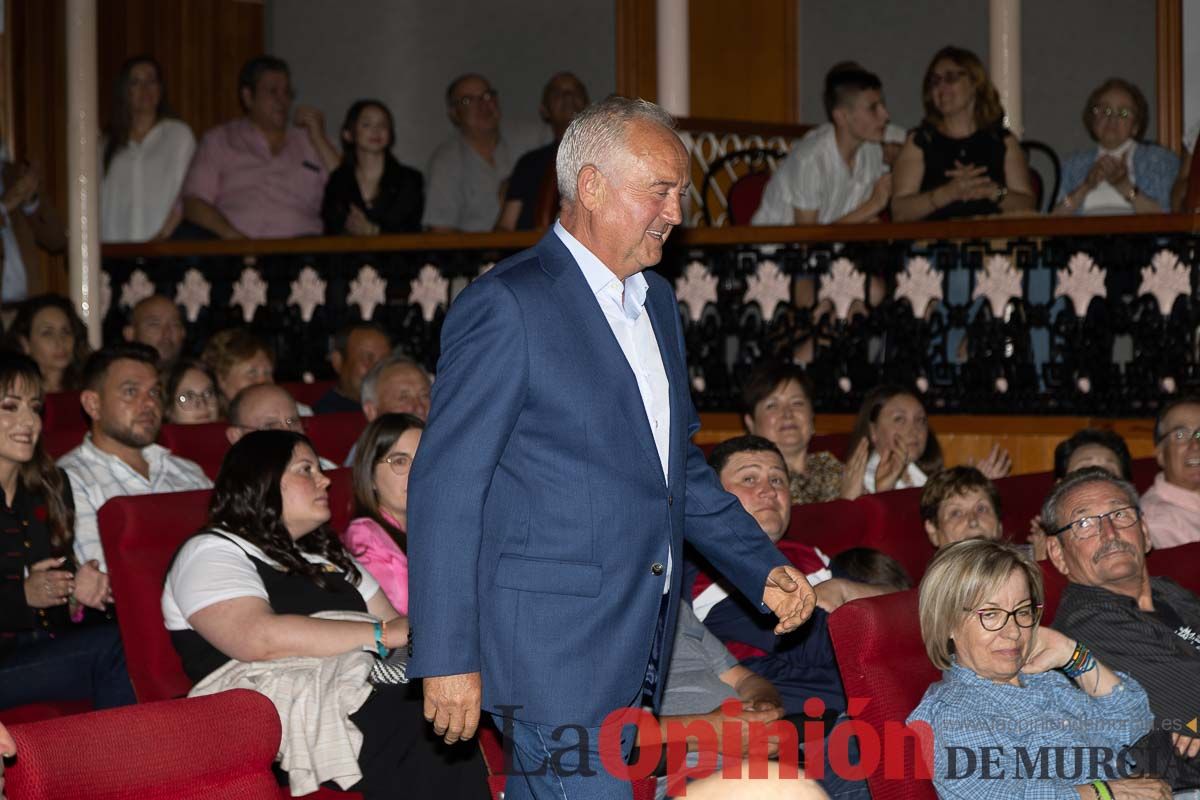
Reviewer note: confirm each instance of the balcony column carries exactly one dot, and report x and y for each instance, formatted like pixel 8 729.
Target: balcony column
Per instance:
pixel 83 191
pixel 1005 51
pixel 674 89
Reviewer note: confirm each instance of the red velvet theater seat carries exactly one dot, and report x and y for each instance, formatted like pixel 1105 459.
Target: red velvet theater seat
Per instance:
pixel 61 411
pixel 334 434
pixel 36 712
pixel 206 444
pixel 882 660
pixel 219 746
pixel 307 393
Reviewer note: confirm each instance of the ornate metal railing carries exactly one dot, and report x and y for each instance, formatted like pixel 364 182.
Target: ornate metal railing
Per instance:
pixel 1094 316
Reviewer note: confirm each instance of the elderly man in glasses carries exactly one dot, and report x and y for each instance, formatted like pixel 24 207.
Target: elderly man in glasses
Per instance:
pixel 467 172
pixel 1147 627
pixel 1172 505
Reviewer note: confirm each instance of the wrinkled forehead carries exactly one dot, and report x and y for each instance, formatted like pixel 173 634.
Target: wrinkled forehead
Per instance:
pixel 472 85
pixel 1094 497
pixel 1184 415
pixel 753 461
pixel 270 401
pixel 403 376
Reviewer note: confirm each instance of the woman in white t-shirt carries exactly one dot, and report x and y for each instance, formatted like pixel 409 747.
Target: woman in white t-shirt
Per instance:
pixel 246 586
pixel 146 152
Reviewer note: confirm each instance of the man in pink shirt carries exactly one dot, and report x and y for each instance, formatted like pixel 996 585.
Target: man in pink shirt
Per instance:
pixel 256 176
pixel 1172 506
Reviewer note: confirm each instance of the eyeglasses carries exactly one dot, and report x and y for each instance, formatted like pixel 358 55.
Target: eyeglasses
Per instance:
pixel 195 398
pixel 1108 112
pixel 994 619
pixel 467 100
pixel 399 463
pixel 1181 436
pixel 286 424
pixel 948 78
pixel 1087 527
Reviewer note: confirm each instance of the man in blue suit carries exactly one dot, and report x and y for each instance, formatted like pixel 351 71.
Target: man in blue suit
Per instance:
pixel 556 481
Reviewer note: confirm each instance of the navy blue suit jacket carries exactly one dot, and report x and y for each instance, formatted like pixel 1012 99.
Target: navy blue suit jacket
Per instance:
pixel 537 505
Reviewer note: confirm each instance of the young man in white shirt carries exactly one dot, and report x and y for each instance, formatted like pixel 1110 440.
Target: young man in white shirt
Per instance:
pixel 835 173
pixel 122 396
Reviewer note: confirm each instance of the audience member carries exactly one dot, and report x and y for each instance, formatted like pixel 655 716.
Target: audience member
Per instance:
pixel 1002 688
pixel 1093 447
pixel 27 222
pixel 467 171
pixel 357 347
pixel 1123 174
pixel 266 562
pixel 836 172
pixel 1172 504
pixel 961 161
pixel 191 394
pixel 49 331
pixel 869 566
pixel 371 192
pixel 122 396
pixel 396 385
pixel 777 405
pixel 238 358
pixel 1135 623
pixel 531 200
pixel 147 150
pixel 265 407
pixel 51 651
pixel 377 536
pixel 960 503
pixel 256 176
pixel 156 321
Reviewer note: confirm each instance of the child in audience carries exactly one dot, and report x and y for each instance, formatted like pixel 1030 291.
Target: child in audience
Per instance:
pixel 868 565
pixel 51 649
pixel 191 394
pixel 1092 447
pixel 48 330
pixel 383 457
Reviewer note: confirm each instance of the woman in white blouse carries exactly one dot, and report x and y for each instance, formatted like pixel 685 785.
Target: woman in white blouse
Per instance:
pixel 145 157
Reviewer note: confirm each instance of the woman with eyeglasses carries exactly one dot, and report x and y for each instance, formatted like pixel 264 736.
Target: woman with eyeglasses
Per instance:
pixel 377 535
pixel 191 394
pixel 961 161
pixel 1122 174
pixel 1051 717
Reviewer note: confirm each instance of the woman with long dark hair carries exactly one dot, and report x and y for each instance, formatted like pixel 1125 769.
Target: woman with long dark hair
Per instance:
pixel 371 192
pixel 377 535
pixel 961 161
pixel 51 647
pixel 147 150
pixel 244 589
pixel 48 330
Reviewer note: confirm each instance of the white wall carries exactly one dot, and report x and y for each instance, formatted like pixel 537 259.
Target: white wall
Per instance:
pixel 405 52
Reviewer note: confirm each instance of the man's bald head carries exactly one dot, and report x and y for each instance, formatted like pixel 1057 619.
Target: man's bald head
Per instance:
pixel 156 321
pixel 262 407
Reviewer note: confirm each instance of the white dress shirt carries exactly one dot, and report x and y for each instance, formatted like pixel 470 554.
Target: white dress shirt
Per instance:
pixel 142 182
pixel 97 476
pixel 624 306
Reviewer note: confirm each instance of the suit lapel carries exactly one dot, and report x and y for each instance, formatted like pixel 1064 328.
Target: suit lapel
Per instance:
pixel 607 364
pixel 663 322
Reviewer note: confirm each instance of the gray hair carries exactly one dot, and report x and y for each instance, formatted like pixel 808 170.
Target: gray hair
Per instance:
pixel 371 379
pixel 596 134
pixel 1083 477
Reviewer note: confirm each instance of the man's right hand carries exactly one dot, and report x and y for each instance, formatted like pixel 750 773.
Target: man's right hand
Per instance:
pixel 452 704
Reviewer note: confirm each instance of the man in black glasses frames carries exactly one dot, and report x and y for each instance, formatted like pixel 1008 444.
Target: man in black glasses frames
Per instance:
pixel 1147 627
pixel 1172 504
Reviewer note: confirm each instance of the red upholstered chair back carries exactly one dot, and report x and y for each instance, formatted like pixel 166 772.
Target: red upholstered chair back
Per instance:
pixel 1053 583
pixel 60 441
pixel 745 196
pixel 902 532
pixel 341 497
pixel 140 535
pixel 836 443
pixel 205 444
pixel 217 746
pixel 61 411
pixel 1180 564
pixel 334 434
pixel 882 660
pixel 1144 472
pixel 1021 498
pixel 835 526
pixel 307 393
pixel 36 712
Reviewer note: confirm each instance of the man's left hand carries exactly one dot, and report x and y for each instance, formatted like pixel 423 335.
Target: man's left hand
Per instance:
pixel 790 597
pixel 1186 746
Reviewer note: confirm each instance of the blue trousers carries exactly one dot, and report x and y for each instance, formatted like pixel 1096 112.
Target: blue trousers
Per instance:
pixel 560 763
pixel 83 664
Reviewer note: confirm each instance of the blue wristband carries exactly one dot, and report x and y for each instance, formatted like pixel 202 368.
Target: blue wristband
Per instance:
pixel 379 648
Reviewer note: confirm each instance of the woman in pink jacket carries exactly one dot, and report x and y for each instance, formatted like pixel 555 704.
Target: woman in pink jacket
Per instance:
pixel 383 458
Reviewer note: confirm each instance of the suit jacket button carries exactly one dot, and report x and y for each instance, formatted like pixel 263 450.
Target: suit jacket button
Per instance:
pixel 670 499
pixel 656 569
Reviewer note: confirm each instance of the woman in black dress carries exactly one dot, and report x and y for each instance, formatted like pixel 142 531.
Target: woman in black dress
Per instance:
pixel 961 161
pixel 55 641
pixel 371 192
pixel 245 587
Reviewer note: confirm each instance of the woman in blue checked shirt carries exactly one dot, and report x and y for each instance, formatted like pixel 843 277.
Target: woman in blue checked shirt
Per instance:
pixel 1021 711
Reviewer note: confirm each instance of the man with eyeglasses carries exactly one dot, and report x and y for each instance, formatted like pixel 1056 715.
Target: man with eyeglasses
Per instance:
pixel 467 171
pixel 1172 505
pixel 1147 627
pixel 265 407
pixel 262 175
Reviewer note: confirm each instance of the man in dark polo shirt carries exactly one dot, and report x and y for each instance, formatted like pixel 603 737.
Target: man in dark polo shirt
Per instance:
pixel 1147 627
